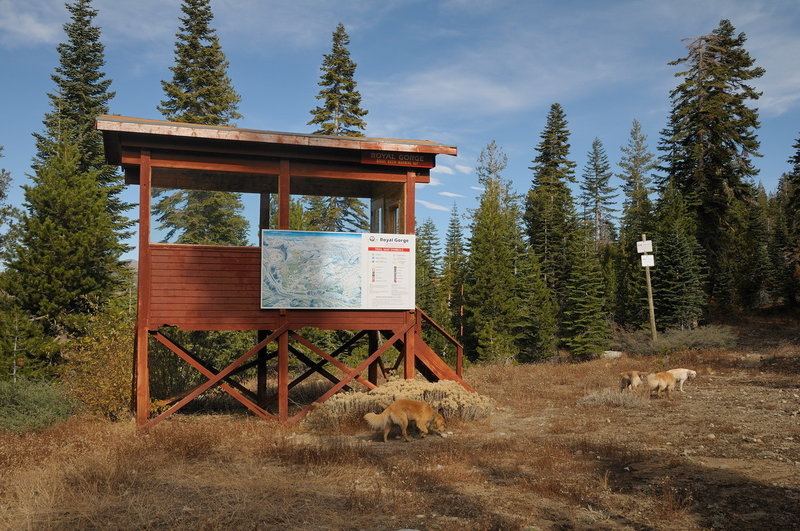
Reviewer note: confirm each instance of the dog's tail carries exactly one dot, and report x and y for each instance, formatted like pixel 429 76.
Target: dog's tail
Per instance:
pixel 377 421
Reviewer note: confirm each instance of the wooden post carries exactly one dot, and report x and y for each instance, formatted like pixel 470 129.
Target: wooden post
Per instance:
pixel 650 298
pixel 409 340
pixel 261 363
pixel 283 196
pixel 283 376
pixel 372 371
pixel 408 203
pixel 143 299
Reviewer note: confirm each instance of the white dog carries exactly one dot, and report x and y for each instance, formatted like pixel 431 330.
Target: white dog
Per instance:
pixel 681 375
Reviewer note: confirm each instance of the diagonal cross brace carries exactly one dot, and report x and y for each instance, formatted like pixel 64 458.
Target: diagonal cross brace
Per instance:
pixel 213 379
pixel 358 370
pixel 330 359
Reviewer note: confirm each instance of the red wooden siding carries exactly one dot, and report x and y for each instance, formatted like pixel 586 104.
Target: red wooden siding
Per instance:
pixel 197 287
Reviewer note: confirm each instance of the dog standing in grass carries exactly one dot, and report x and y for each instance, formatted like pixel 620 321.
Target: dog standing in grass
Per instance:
pixel 401 413
pixel 660 381
pixel 681 375
pixel 630 380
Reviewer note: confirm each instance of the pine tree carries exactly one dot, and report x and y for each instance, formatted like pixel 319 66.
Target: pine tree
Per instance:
pixel 792 211
pixel 5 210
pixel 55 272
pixel 200 92
pixel 679 273
pixel 453 271
pixel 596 195
pixel 427 267
pixel 752 267
pixel 429 293
pixel 637 218
pixel 339 115
pixel 549 210
pixel 784 285
pixel 82 94
pixel 711 138
pixel 491 305
pixel 539 313
pixel 586 328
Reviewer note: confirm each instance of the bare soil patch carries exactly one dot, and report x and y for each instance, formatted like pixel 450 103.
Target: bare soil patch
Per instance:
pixel 560 450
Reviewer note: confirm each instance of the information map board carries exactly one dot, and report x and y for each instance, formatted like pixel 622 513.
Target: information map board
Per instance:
pixel 337 270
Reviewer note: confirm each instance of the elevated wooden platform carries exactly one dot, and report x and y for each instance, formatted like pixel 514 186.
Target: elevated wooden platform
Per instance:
pixel 194 287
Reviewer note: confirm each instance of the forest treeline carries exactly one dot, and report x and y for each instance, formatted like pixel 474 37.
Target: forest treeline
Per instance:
pixel 518 278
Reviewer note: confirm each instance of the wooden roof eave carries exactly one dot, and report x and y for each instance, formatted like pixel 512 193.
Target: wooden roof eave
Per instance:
pixel 123 125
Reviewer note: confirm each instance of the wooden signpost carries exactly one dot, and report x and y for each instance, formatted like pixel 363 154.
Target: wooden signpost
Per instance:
pixel 645 247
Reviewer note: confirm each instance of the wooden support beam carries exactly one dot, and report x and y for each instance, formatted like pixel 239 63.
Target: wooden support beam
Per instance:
pixel 372 374
pixel 144 293
pixel 280 332
pixel 409 341
pixel 283 376
pixel 358 370
pixel 330 359
pixel 234 389
pixel 284 195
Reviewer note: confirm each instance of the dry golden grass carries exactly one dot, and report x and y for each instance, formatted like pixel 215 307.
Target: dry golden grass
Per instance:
pixel 551 446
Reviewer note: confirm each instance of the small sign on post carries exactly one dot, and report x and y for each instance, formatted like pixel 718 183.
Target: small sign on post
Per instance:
pixel 648 260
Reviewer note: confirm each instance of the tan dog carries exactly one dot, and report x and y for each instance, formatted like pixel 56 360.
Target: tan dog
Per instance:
pixel 401 412
pixel 681 375
pixel 661 381
pixel 630 380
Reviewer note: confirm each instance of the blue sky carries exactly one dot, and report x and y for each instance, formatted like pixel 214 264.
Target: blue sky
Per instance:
pixel 462 72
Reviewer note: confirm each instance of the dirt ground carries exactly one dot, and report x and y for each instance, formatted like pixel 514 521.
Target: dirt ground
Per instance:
pixel 562 449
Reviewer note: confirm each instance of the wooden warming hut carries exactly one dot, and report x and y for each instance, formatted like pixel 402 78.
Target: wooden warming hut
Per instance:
pixel 203 287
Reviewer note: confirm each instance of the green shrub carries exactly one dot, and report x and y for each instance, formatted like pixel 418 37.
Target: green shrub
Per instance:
pixel 704 337
pixel 33 405
pixel 97 368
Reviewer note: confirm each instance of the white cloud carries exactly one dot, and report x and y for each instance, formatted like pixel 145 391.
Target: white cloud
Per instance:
pixel 433 206
pixel 434 182
pixel 450 194
pixel 30 23
pixel 443 169
pixel 463 169
pixel 478 188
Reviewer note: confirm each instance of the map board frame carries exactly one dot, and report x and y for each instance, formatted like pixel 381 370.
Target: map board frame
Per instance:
pixel 337 270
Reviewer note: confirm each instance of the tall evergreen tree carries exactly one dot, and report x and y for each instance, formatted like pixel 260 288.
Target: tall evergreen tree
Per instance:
pixel 340 114
pixel 711 137
pixel 82 94
pixel 597 195
pixel 586 328
pixel 538 326
pixel 792 210
pixel 429 290
pixel 636 165
pixel 5 209
pixel 200 92
pixel 492 310
pixel 752 267
pixel 427 267
pixel 679 272
pixel 55 272
pixel 784 284
pixel 549 209
pixel 453 271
